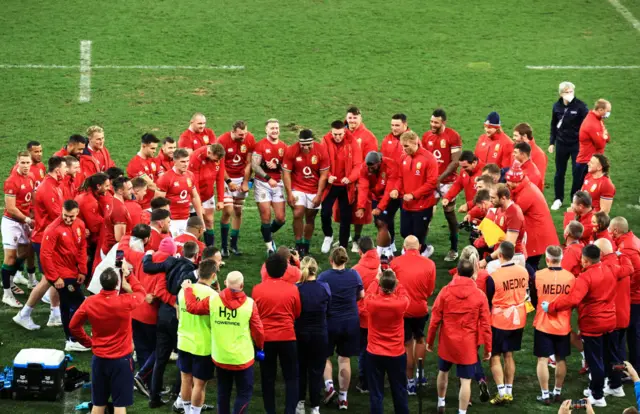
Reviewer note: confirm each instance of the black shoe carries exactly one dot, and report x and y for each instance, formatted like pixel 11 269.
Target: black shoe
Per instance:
pixel 207 407
pixel 362 389
pixel 142 387
pixel 157 403
pixel 484 391
pixel 236 251
pixel 224 252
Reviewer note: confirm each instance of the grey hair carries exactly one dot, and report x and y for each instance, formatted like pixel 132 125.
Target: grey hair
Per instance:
pixel 554 254
pixel 566 85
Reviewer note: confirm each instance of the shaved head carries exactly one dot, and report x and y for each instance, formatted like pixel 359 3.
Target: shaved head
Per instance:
pixel 411 243
pixel 619 223
pixel 234 280
pixel 605 246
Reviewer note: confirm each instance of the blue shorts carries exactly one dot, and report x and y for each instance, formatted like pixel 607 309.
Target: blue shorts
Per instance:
pixel 344 338
pixel 112 377
pixel 462 371
pixel 200 367
pixel 414 328
pixel 545 344
pixel 505 340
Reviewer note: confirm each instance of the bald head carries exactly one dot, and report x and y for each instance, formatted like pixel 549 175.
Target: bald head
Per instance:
pixel 197 115
pixel 234 280
pixel 619 224
pixel 605 246
pixel 411 243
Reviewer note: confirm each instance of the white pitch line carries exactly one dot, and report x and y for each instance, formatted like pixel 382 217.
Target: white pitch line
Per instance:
pixel 575 67
pixel 85 71
pixel 144 67
pixel 626 14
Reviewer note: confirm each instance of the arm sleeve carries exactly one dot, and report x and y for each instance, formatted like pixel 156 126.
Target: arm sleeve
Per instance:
pixel 455 189
pixel 195 306
pixel 578 292
pixel 491 290
pixel 77 323
pixel 554 127
pixel 436 317
pixel 356 162
pixel 297 305
pixel 82 256
pixel 135 299
pixel 152 268
pixel 48 262
pixel 533 291
pixel 257 330
pixel 484 326
pixel 194 167
pixel 220 182
pixel 393 179
pixel 363 189
pixel 163 184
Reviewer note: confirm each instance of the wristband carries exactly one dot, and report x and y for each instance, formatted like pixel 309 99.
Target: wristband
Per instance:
pixel 267 177
pixel 228 181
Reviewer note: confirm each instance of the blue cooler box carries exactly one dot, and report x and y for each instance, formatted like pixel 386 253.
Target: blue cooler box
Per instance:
pixel 39 374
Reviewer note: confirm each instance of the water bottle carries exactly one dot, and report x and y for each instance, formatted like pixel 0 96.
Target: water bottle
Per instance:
pixel 260 355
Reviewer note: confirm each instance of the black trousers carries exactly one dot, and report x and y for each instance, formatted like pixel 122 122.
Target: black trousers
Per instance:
pixel 534 262
pixel 579 175
pixel 311 361
pixel 286 352
pixel 416 223
pixel 340 194
pixel 395 368
pixel 563 154
pixel 144 340
pixel 166 342
pixel 71 297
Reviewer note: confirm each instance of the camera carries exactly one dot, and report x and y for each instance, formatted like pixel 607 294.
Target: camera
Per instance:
pixel 474 233
pixel 465 225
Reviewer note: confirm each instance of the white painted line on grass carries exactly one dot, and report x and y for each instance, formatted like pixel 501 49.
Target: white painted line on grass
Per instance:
pixel 554 67
pixel 142 67
pixel 626 14
pixel 85 71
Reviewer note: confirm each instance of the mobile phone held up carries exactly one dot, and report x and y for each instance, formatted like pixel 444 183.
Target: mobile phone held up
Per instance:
pixel 119 258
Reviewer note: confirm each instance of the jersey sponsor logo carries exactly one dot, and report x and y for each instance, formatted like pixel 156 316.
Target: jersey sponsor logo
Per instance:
pixel 237 159
pixel 495 155
pixel 275 161
pixel 205 139
pixel 307 172
pixel 438 155
pixel 183 194
pixel 243 148
pixel 227 315
pixel 314 160
pixel 27 197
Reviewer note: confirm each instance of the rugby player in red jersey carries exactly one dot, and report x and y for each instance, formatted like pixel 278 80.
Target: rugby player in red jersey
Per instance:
pixel 145 165
pixel 138 191
pixel 522 155
pixel 38 170
pixel 446 145
pixel 368 143
pixel 16 225
pixel 207 165
pixel 305 172
pixel 197 135
pixel 164 160
pixel 391 146
pixel 523 133
pixel 598 184
pixel 239 145
pixel 70 184
pixel 178 185
pixel 266 163
pixel 119 223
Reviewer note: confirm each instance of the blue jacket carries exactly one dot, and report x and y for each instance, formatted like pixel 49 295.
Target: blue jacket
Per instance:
pixel 572 116
pixel 176 270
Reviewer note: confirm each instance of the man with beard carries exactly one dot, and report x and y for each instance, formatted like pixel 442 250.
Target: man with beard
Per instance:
pixel 197 135
pixel 305 171
pixel 446 145
pixel 145 165
pixel 164 160
pixel 523 133
pixel 239 145
pixel 598 184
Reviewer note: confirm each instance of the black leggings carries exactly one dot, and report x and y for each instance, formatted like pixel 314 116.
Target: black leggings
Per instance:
pixel 337 193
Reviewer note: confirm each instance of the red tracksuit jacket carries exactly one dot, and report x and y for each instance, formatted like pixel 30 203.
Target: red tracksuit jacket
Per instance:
pixel 352 161
pixel 622 269
pixel 378 186
pixel 593 137
pixel 571 256
pixel 91 214
pixel 629 245
pixel 538 223
pixel 63 253
pixel 279 306
pixel 386 325
pixel 292 275
pixel 47 206
pixel 367 268
pixel 418 275
pixel 594 294
pixel 109 314
pixel 466 182
pixel 496 149
pixel 419 177
pixel 461 312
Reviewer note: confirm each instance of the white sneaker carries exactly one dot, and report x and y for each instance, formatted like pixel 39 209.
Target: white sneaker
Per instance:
pixel 173 357
pixel 54 320
pixel 556 205
pixel 428 251
pixel 27 323
pixel 11 301
pixel 597 403
pixel 354 247
pixel 300 408
pixel 20 279
pixel 46 299
pixel 315 410
pixel 33 282
pixel 586 392
pixel 615 392
pixel 326 244
pixel 72 346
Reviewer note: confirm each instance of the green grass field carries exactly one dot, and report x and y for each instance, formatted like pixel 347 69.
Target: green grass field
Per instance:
pixel 305 62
